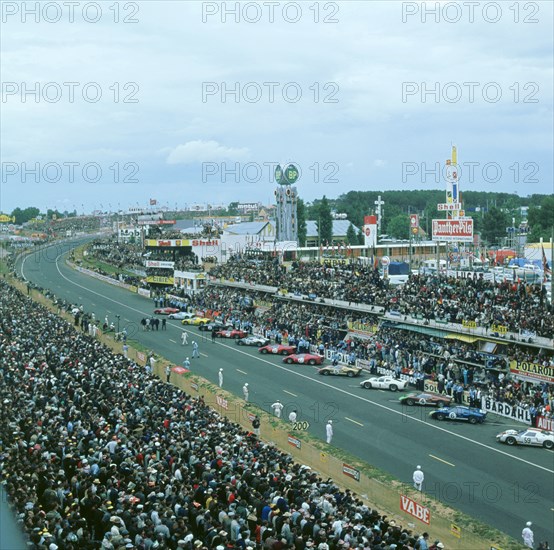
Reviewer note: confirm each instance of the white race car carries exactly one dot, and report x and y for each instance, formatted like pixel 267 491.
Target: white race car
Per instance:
pixel 384 383
pixel 530 436
pixel 181 315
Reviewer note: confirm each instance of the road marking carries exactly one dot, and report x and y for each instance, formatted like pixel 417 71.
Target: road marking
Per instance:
pixel 355 421
pixel 441 460
pixel 329 386
pixel 125 319
pixel 172 341
pixel 204 354
pixel 241 371
pixel 290 393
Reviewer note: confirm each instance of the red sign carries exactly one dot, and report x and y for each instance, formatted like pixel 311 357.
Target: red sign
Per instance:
pixel 205 243
pixel 294 441
pixel 545 423
pixel 453 230
pixel 414 220
pixel 414 509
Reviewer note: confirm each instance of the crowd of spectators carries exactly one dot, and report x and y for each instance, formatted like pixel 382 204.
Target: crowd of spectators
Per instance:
pixel 517 306
pixel 96 452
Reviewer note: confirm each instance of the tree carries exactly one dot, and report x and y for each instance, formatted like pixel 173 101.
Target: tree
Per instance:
pixel 494 226
pixel 399 227
pixel 541 220
pixel 22 216
pixel 351 236
pixel 301 222
pixel 324 221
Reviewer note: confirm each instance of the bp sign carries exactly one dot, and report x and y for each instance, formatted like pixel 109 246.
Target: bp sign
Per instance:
pixel 287 176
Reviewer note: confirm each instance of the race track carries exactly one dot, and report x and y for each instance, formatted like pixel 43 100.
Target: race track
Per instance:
pixel 463 465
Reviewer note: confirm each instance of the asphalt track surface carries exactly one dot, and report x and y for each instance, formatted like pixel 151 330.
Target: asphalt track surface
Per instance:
pixel 464 466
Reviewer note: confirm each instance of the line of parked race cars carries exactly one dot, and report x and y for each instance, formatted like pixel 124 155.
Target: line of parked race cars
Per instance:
pixel 444 409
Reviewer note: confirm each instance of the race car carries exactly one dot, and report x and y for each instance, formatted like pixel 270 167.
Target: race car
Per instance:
pixel 165 310
pixel 425 399
pixel 231 334
pixel 303 358
pixel 253 341
pixel 181 315
pixel 384 383
pixel 341 370
pixel 195 321
pixel 460 412
pixel 217 325
pixel 531 436
pixel 277 349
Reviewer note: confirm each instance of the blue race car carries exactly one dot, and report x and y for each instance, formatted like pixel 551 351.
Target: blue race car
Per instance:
pixel 459 412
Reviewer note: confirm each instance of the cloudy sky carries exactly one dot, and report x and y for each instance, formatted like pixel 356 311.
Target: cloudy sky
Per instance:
pixel 189 102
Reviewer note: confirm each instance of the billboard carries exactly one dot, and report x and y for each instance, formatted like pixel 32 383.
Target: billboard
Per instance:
pixel 453 230
pixel 534 372
pixel 156 263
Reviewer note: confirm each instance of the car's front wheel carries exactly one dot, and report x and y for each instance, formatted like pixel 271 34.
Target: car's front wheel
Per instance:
pixel 350 374
pixel 367 385
pixel 264 351
pixel 440 416
pixel 511 440
pixel 288 361
pixel 548 444
pixel 409 402
pixel 284 353
pixel 240 343
pixel 325 373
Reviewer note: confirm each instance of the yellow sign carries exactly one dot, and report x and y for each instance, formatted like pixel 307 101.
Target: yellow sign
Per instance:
pixel 469 324
pixel 501 329
pixel 133 288
pixel 160 280
pixel 323 457
pixel 6 219
pixel 455 530
pixel 361 327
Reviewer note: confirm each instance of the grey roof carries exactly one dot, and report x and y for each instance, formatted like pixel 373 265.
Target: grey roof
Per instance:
pixel 246 228
pixel 340 227
pixel 185 224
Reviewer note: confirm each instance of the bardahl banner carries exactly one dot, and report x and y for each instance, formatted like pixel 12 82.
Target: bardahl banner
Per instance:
pixel 504 409
pixel 532 371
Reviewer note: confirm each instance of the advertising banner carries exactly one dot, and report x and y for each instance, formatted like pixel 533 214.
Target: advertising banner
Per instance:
pixel 415 509
pixel 453 230
pixel 532 371
pixel 176 243
pixel 294 441
pixel 545 423
pixel 156 279
pixel 504 409
pixel 144 292
pixel 351 472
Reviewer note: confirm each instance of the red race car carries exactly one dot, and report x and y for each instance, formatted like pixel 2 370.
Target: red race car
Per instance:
pixel 235 333
pixel 277 349
pixel 166 310
pixel 303 359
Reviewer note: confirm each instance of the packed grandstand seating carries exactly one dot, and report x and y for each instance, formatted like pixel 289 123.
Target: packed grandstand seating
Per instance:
pixel 518 306
pixel 99 453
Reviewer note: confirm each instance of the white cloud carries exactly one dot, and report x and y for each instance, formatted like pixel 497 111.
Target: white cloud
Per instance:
pixel 198 151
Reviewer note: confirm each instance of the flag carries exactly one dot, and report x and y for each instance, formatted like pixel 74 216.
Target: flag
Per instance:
pixel 153 202
pixel 545 268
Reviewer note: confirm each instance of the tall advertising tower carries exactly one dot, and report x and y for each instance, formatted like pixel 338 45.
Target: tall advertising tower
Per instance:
pixel 286 196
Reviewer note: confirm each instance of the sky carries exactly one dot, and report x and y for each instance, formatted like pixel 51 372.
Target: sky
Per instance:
pixel 191 102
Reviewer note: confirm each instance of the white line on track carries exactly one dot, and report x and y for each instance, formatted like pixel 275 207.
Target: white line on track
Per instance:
pixel 172 341
pixel 355 421
pixel 290 393
pixel 324 384
pixel 241 371
pixel 441 460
